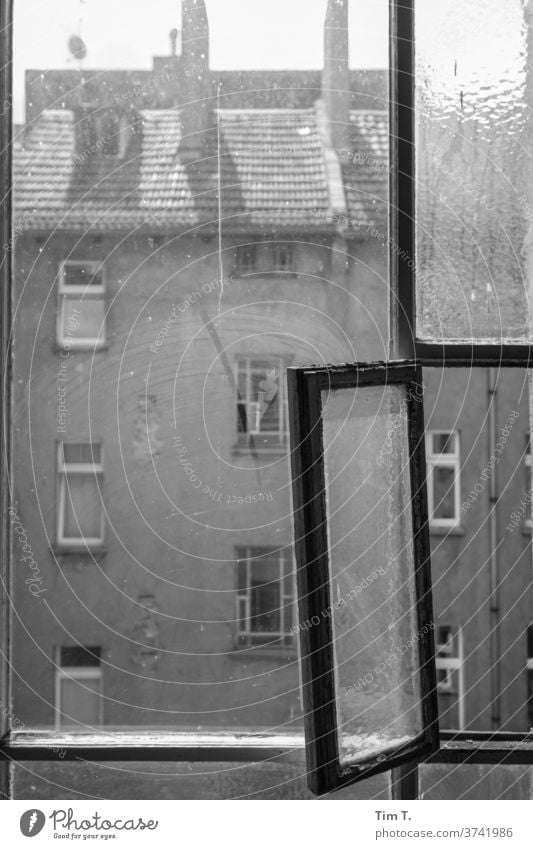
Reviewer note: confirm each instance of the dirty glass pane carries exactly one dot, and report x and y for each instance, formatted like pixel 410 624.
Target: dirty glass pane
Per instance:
pixel 371 560
pixel 481 564
pixel 187 224
pixel 474 185
pixel 264 780
pixel 483 781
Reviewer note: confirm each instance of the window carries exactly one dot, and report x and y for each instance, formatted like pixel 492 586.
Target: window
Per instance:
pixel 449 662
pixel 281 179
pixel 80 516
pixel 81 308
pixel 282 256
pixel 265 257
pixel 265 596
pixel 530 676
pixel 78 687
pixel 444 481
pixel 528 521
pixel 246 259
pixel 261 403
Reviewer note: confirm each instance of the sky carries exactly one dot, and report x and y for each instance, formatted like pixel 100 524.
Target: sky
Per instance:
pixel 244 34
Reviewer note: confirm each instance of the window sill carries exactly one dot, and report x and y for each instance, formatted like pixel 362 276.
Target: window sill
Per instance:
pixel 442 531
pixel 57 348
pixel 262 652
pixel 112 744
pixel 84 551
pixel 246 450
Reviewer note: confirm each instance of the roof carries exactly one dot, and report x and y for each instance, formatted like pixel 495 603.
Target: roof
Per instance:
pixel 273 174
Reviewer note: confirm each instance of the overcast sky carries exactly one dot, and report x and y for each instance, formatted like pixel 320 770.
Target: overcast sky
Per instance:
pixel 244 33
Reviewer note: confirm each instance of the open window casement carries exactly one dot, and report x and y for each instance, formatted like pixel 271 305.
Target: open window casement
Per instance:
pixel 362 548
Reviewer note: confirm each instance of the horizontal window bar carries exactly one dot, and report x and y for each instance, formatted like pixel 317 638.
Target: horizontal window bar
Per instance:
pixel 456 747
pixel 467 355
pixel 151 746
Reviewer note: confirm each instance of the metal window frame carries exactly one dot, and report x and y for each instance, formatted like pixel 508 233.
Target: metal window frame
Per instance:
pixel 306 387
pixel 456 747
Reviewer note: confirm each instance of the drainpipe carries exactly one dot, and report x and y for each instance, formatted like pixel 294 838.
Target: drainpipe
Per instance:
pixel 493 558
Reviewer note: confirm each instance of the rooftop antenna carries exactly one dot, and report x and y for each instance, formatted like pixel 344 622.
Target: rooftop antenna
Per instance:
pixel 173 41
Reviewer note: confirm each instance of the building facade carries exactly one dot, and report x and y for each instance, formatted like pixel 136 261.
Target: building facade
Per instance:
pixel 182 237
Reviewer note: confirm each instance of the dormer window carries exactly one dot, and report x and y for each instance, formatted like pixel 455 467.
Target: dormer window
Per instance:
pixel 103 132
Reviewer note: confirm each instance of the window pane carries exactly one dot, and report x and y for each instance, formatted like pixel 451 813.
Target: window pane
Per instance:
pixel 79 656
pixel 443 493
pixel 82 319
pixel 443 443
pixel 78 274
pixel 136 160
pixel 464 781
pixel 79 703
pixel 264 780
pixel 370 546
pixel 474 204
pixel 86 452
pixel 83 508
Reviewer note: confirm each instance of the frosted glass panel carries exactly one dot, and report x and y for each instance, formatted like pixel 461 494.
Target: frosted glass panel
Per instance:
pixel 474 200
pixel 372 570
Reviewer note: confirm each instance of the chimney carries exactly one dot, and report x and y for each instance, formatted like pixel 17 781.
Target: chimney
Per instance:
pixel 336 75
pixel 195 96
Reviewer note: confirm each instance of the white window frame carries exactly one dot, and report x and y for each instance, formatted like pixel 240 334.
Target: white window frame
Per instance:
pixel 90 292
pixel 449 657
pixel 74 673
pixel 450 460
pixel 254 413
pixel 63 470
pixel 286 565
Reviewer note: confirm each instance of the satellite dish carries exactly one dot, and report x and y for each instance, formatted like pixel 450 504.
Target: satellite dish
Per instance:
pixel 77 47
